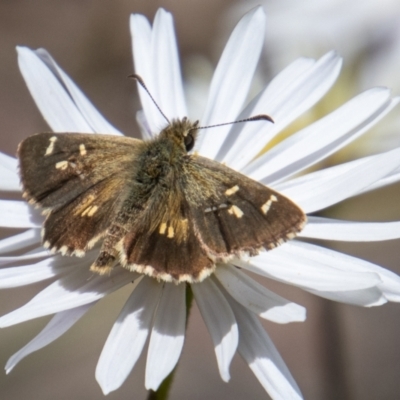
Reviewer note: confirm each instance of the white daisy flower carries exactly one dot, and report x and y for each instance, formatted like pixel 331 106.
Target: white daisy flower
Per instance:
pixel 229 300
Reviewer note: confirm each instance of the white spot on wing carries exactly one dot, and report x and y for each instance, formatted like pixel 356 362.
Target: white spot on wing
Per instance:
pixel 148 270
pixel 232 190
pixel 210 209
pixel 170 232
pixel 53 250
pixel 267 205
pixel 62 165
pixel 82 150
pixel 163 228
pixel 79 253
pixel 50 149
pixel 92 211
pixel 183 228
pixel 164 277
pixel 236 211
pixel 64 250
pixel 205 273
pixel 89 211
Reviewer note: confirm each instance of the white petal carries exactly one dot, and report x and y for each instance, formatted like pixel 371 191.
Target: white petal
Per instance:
pixel 76 289
pixel 92 116
pixel 8 183
pixel 286 265
pixel 284 104
pixel 274 90
pixel 165 66
pixel 389 179
pixel 20 241
pixel 324 188
pixel 257 298
pixel 256 347
pixel 156 61
pixel 9 176
pixel 57 326
pixel 20 276
pixel 128 336
pixel 9 163
pixel 220 321
pixel 143 125
pixel 30 256
pixel 141 48
pixel 18 214
pixel 290 74
pixel 167 336
pixel 390 282
pixel 232 79
pixel 324 137
pixel 370 297
pixel 331 229
pixel 55 104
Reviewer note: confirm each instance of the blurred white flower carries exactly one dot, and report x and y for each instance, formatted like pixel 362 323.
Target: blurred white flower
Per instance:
pixel 230 301
pixel 311 27
pixel 365 32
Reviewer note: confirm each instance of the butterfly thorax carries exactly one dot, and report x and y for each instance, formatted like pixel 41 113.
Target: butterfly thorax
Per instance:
pixel 167 153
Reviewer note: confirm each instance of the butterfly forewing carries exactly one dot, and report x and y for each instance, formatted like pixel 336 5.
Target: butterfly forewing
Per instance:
pixel 242 215
pixel 75 178
pixel 55 168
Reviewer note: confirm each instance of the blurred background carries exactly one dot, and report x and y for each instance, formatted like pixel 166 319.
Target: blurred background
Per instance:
pixel 341 351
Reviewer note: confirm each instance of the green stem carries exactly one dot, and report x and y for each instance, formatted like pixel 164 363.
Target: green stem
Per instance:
pixel 162 392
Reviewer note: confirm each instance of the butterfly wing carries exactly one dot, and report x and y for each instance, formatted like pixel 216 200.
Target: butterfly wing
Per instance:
pixel 161 241
pixel 76 180
pixel 163 255
pixel 240 214
pixel 209 213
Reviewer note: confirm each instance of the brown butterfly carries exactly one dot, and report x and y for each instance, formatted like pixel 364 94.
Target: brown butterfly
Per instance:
pixel 157 209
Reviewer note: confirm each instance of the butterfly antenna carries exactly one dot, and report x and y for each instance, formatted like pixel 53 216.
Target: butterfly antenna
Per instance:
pixel 261 117
pixel 140 81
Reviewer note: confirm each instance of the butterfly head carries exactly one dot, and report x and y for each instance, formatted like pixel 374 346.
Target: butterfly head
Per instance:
pixel 182 133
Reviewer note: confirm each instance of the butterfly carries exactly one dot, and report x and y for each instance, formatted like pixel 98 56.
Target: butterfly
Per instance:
pixel 155 207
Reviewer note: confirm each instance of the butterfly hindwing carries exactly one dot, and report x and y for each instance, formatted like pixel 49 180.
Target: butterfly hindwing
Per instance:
pixel 162 255
pixel 161 241
pixel 77 226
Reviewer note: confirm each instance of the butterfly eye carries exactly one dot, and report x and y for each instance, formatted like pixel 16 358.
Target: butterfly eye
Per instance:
pixel 189 142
